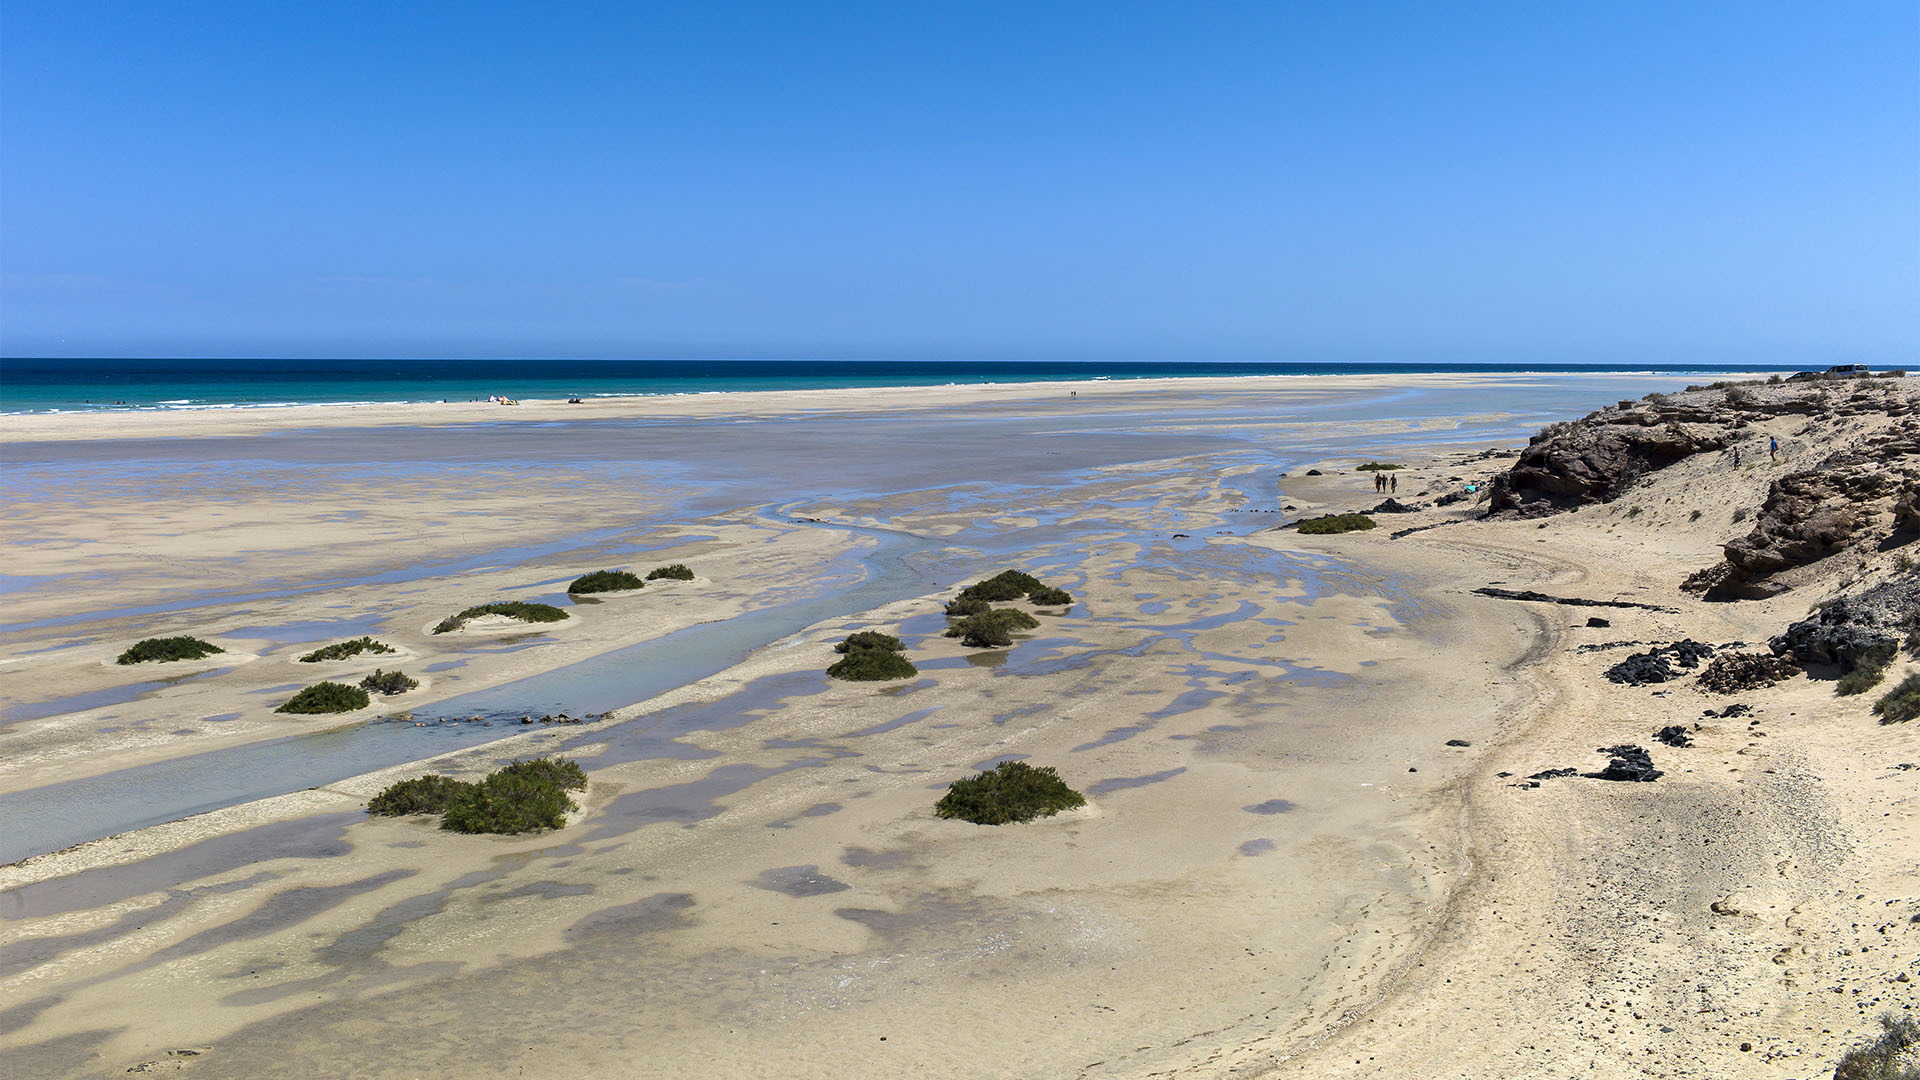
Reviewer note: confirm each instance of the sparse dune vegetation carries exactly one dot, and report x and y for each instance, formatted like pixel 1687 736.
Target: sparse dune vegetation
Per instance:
pixel 1010 792
pixel 1336 523
pixel 343 650
pixel 512 609
pixel 526 796
pixel 160 650
pixel 326 697
pixel 601 581
pixel 871 656
pixel 671 572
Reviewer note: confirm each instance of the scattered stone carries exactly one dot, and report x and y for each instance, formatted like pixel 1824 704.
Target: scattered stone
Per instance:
pixel 1458 742
pixel 1595 620
pixel 1394 506
pixel 1674 735
pixel 1731 711
pixel 1657 665
pixel 1554 774
pixel 1730 673
pixel 1315 472
pixel 1628 763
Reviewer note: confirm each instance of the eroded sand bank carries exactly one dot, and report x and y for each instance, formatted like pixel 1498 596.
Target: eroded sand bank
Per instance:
pixel 1282 863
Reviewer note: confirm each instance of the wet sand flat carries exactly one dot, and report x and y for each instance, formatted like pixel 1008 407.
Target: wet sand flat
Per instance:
pixel 1278 836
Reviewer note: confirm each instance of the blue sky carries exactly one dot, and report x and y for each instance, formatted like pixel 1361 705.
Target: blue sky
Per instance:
pixel 1608 181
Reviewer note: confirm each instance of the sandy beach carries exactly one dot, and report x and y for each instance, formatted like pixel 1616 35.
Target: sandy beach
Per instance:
pixel 1310 846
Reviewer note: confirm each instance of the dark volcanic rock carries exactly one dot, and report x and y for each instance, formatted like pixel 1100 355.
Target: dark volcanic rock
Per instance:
pixel 1848 628
pixel 1595 620
pixel 1628 763
pixel 1731 673
pixel 1393 506
pixel 1730 712
pixel 1807 516
pixel 1659 665
pixel 1570 601
pixel 1554 774
pixel 1595 460
pixel 1674 735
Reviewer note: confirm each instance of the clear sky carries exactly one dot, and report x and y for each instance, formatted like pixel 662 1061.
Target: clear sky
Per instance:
pixel 1579 181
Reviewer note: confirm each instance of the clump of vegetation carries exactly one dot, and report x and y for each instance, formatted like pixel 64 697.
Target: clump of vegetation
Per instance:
pixel 341 650
pixel 871 656
pixel 526 796
pixel 1010 791
pixel 389 682
pixel 512 609
pixel 675 572
pixel 168 648
pixel 430 794
pixel 1005 585
pixel 1900 704
pixel 605 581
pixel 873 665
pixel 1867 671
pixel 964 605
pixel 1378 466
pixel 1336 523
pixel 992 628
pixel 869 639
pixel 1882 1059
pixel 326 697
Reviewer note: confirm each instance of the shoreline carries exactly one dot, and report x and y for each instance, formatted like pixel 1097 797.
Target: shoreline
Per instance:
pixel 1404 880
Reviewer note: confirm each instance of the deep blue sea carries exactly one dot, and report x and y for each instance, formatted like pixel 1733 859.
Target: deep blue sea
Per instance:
pixel 44 385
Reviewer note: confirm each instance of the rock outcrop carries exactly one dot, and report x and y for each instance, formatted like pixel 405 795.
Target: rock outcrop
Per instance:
pixel 1848 628
pixel 1594 461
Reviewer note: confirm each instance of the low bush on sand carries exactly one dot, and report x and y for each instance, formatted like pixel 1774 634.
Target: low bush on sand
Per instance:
pixel 1005 585
pixel 1900 704
pixel 605 581
pixel 992 628
pixel 512 609
pixel 341 650
pixel 1010 791
pixel 1378 466
pixel 421 795
pixel 1890 1057
pixel 1336 523
pixel 168 648
pixel 326 697
pixel 389 682
pixel 1867 672
pixel 526 796
pixel 873 665
pixel 869 639
pixel 675 572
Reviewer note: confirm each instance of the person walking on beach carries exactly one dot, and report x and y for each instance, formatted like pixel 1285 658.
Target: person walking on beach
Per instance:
pixel 1773 447
pixel 1736 457
pixel 1393 481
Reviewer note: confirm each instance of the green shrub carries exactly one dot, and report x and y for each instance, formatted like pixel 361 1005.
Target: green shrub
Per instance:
pixel 513 609
pixel 992 628
pixel 676 572
pixel 873 665
pixel 1047 596
pixel 605 581
pixel 341 650
pixel 869 639
pixel 1377 466
pixel 526 796
pixel 564 773
pixel 967 604
pixel 168 648
pixel 1881 1058
pixel 421 795
pixel 1011 791
pixel 326 697
pixel 1901 703
pixel 389 682
pixel 1336 523
pixel 1867 672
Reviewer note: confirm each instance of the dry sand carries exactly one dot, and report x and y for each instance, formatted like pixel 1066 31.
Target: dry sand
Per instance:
pixel 1283 869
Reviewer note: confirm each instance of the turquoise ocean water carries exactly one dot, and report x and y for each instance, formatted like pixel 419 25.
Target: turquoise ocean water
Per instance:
pixel 44 385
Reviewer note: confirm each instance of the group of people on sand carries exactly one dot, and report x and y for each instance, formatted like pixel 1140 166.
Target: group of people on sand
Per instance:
pixel 1386 482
